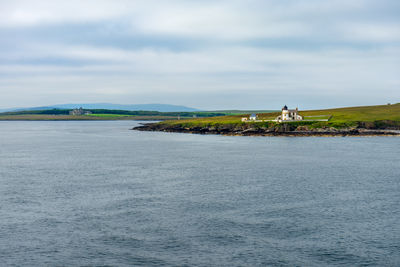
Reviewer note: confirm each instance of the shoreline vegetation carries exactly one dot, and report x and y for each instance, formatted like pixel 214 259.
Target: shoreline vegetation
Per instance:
pixel 33 117
pixel 381 120
pixel 101 114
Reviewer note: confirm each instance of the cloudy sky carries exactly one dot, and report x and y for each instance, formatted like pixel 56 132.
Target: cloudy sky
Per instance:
pixel 210 54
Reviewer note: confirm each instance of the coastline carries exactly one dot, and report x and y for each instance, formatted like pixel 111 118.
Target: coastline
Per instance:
pixel 274 131
pixel 78 118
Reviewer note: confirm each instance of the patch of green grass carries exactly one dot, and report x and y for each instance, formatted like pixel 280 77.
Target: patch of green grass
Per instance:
pixel 46 117
pixel 209 121
pixel 240 112
pixel 108 115
pixel 318 117
pixel 338 118
pixel 365 113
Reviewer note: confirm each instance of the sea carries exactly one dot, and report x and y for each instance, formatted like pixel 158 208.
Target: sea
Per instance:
pixel 96 193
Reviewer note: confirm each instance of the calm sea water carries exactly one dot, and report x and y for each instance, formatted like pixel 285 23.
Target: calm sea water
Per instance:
pixel 96 193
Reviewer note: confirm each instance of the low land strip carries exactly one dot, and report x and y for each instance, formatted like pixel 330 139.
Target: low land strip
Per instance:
pixel 102 114
pixel 353 121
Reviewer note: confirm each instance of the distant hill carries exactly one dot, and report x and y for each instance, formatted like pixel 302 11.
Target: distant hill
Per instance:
pixel 144 107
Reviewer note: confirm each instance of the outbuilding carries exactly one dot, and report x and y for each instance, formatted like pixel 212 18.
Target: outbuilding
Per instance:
pixel 253 117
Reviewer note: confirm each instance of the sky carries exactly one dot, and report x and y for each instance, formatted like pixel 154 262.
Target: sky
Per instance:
pixel 210 54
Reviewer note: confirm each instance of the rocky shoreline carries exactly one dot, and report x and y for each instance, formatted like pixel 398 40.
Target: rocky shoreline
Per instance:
pixel 279 130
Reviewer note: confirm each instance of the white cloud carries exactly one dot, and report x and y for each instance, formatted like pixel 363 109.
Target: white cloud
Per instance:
pixel 219 19
pixel 258 66
pixel 19 13
pixel 372 32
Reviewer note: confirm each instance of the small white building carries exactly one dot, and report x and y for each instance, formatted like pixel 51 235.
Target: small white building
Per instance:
pixel 253 117
pixel 289 115
pixel 79 111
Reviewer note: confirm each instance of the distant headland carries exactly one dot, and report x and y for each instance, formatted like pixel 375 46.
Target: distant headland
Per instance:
pixel 109 106
pixel 104 111
pixel 351 121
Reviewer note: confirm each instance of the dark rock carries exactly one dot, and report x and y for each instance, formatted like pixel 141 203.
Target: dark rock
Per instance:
pixel 284 129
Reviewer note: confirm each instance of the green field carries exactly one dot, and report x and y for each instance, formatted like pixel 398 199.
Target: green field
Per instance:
pixel 102 114
pixel 365 116
pixel 108 115
pixel 240 112
pixel 49 117
pixel 364 113
pixel 338 117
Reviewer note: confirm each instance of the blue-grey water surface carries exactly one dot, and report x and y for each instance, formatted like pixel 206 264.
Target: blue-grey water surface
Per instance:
pixel 98 194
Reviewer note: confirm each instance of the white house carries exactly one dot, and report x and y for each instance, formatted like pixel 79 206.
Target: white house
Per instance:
pixel 289 115
pixel 253 117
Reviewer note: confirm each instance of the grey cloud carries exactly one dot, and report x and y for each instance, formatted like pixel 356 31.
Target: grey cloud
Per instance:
pixel 139 50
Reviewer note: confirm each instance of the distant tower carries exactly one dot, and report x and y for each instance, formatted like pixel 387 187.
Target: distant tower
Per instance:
pixel 289 115
pixel 285 113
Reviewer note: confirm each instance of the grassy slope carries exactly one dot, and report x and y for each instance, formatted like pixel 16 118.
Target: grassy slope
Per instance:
pixel 365 113
pixel 340 117
pixel 240 112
